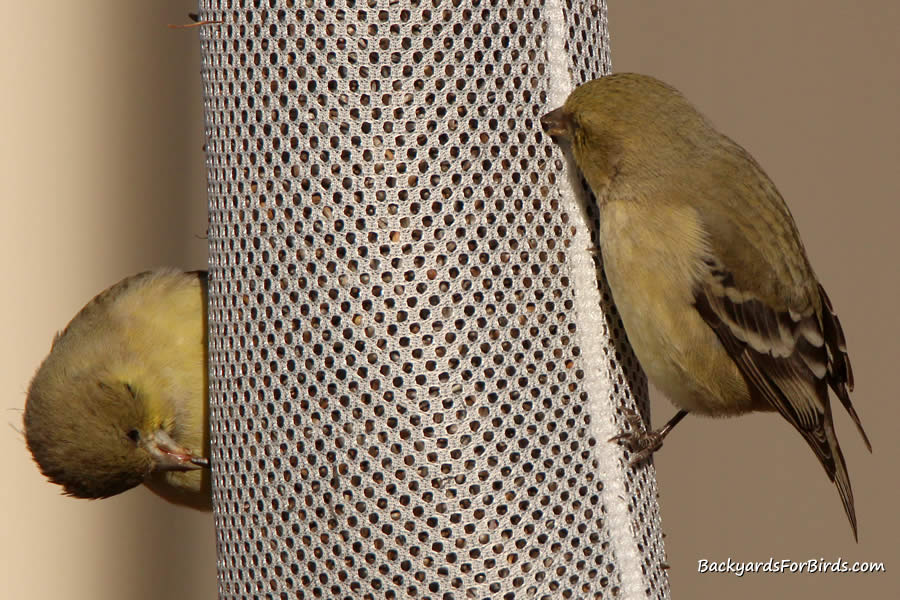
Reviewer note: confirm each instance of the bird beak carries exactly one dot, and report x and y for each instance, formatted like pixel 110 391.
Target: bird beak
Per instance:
pixel 169 456
pixel 557 123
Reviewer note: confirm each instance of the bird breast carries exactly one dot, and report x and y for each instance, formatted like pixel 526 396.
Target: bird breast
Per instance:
pixel 653 291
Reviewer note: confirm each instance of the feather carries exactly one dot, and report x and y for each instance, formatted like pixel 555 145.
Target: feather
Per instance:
pixel 789 358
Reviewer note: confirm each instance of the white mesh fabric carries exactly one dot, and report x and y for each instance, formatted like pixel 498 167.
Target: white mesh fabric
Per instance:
pixel 414 364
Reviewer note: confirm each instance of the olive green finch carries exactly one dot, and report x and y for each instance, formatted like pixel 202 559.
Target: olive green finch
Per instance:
pixel 122 397
pixel 706 267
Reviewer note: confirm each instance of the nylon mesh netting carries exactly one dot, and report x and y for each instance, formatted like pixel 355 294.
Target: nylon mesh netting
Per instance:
pixel 415 365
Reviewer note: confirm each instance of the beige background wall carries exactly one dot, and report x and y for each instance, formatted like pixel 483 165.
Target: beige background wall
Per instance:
pixel 101 169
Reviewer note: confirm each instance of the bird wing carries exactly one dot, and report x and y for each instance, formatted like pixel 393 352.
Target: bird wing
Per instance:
pixel 789 356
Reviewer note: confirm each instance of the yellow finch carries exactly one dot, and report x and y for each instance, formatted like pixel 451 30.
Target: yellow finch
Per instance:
pixel 706 267
pixel 122 398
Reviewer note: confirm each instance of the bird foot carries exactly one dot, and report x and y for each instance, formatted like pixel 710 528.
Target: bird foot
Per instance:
pixel 638 440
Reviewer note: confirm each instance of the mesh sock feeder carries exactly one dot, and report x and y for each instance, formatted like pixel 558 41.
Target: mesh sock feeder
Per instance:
pixel 415 364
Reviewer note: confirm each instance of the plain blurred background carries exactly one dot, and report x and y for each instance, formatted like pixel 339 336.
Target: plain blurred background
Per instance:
pixel 102 175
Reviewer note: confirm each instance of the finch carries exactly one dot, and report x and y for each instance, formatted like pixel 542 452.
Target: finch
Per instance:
pixel 706 267
pixel 122 397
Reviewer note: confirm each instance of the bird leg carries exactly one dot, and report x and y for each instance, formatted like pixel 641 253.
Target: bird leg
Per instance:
pixel 639 441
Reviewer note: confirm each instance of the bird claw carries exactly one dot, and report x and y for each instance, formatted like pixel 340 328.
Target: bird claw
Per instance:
pixel 638 441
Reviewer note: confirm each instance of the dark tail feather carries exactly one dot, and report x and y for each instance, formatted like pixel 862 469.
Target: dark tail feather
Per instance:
pixel 840 373
pixel 844 396
pixel 841 478
pixel 829 454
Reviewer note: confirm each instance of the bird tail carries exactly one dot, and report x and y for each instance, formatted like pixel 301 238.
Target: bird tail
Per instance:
pixel 832 460
pixel 841 478
pixel 824 443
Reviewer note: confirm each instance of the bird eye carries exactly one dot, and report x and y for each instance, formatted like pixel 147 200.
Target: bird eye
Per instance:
pixel 134 435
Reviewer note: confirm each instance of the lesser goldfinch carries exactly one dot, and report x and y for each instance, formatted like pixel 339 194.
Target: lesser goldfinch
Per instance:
pixel 122 397
pixel 706 267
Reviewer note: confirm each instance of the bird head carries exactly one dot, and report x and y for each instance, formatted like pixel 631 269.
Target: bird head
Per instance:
pixel 630 123
pixel 98 438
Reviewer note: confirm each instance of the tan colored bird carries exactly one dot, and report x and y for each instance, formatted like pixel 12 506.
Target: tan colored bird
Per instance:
pixel 706 267
pixel 122 397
